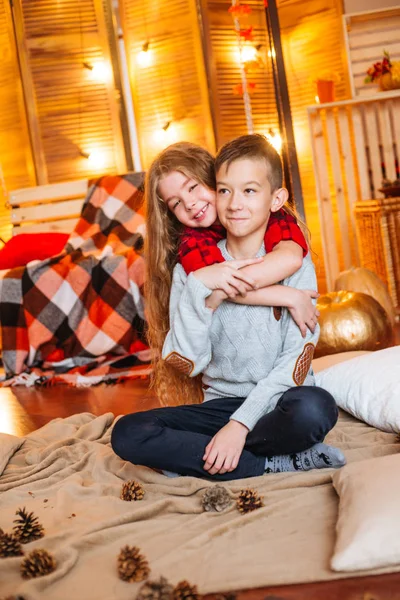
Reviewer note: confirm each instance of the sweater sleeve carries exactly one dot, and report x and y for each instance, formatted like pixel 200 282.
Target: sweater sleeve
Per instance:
pixel 292 366
pixel 187 346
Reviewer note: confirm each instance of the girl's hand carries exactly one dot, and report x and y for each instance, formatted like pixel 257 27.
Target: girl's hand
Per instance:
pixel 304 313
pixel 223 452
pixel 228 277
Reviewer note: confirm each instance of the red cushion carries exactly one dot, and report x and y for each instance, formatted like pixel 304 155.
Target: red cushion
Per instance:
pixel 25 247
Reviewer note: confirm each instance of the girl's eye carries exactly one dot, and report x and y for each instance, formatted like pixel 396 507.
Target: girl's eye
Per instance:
pixel 176 204
pixel 192 187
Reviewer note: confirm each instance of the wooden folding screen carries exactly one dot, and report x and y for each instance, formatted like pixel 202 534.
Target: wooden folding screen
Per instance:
pixel 170 90
pixel 16 165
pixel 72 109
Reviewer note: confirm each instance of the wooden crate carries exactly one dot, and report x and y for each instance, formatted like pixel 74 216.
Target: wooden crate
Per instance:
pixel 378 234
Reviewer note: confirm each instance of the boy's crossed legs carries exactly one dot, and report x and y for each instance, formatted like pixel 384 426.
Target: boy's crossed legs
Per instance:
pixel 175 438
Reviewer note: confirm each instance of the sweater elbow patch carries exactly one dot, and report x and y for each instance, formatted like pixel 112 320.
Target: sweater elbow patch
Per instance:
pixel 303 364
pixel 180 363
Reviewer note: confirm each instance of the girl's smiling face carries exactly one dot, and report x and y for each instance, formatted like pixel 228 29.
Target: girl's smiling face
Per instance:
pixel 192 203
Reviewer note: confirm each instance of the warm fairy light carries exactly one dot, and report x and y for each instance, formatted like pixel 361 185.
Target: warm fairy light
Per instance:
pixel 145 56
pixel 274 139
pixel 317 99
pixel 249 53
pixel 272 53
pixel 99 70
pixel 96 158
pixel 167 134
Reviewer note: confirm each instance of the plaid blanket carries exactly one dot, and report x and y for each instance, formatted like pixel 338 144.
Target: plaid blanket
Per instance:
pixel 78 317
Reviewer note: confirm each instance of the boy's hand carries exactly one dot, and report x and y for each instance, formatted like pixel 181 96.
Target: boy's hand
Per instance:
pixel 216 298
pixel 223 452
pixel 304 313
pixel 228 277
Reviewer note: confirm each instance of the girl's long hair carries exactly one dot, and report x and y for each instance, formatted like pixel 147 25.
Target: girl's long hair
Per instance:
pixel 161 251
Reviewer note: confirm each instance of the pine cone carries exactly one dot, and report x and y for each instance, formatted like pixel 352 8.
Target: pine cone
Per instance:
pixel 132 490
pixel 158 589
pixel 185 591
pixel 132 565
pixel 216 498
pixel 37 563
pixel 27 528
pixel 10 546
pixel 248 500
pixel 1 532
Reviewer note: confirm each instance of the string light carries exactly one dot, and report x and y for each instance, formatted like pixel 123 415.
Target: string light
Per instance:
pixel 97 158
pixel 98 71
pixel 274 139
pixel 145 56
pixel 272 53
pixel 167 134
pixel 249 53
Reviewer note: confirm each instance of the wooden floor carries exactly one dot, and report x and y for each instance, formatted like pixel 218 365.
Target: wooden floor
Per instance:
pixel 25 409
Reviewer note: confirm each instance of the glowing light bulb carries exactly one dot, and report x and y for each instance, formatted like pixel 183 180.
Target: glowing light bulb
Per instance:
pixel 249 53
pixel 98 71
pixel 274 139
pixel 97 158
pixel 272 53
pixel 167 134
pixel 145 57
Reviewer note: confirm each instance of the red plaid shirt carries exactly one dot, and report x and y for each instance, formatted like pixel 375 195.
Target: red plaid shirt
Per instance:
pixel 198 247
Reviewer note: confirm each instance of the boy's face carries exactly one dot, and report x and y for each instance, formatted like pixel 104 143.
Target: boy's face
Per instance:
pixel 244 197
pixel 192 203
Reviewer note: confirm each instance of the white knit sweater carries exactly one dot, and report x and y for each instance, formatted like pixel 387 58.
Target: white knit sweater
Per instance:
pixel 243 351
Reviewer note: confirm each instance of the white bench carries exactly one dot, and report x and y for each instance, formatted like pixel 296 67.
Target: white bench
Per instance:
pixel 54 207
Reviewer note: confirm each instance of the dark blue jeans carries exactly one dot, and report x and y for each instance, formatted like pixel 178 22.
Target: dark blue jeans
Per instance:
pixel 174 439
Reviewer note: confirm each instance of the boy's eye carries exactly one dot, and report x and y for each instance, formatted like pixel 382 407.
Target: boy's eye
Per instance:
pixel 222 191
pixel 249 191
pixel 192 187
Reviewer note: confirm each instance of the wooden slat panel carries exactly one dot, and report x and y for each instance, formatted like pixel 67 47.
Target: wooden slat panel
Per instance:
pixel 339 187
pixel 62 226
pixel 349 172
pixel 395 112
pixel 360 142
pixel 47 212
pixel 15 152
pixel 368 36
pixel 43 193
pixel 386 141
pixel 324 200
pixel 173 88
pixel 224 67
pixel 74 113
pixel 312 38
pixel 375 161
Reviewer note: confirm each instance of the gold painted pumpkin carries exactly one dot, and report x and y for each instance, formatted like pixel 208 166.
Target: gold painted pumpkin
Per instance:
pixel 351 321
pixel 366 281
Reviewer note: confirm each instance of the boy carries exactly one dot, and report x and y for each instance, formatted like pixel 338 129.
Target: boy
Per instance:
pixel 257 416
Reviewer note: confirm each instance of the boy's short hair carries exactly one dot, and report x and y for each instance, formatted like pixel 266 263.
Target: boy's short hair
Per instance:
pixel 252 146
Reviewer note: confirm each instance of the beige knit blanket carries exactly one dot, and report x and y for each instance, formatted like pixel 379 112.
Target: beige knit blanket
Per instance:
pixel 68 475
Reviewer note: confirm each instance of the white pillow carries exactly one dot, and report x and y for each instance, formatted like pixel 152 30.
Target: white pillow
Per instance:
pixel 368 527
pixel 368 387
